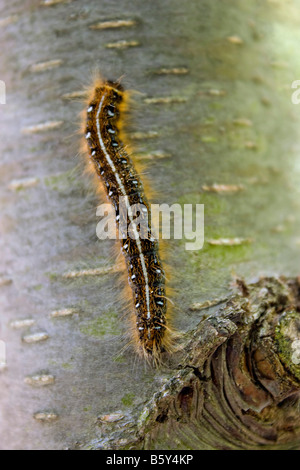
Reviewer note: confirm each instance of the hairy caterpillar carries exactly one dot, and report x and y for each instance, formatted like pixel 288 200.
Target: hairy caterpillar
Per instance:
pixel 112 163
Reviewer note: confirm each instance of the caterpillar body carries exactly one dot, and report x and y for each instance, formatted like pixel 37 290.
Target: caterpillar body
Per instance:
pixel 114 167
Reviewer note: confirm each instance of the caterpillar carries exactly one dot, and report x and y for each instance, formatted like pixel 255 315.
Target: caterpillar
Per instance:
pixel 114 167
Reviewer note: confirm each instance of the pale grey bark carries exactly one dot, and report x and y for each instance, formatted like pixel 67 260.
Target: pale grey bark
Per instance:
pixel 236 126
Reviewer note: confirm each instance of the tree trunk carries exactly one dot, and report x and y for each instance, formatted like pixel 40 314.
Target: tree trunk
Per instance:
pixel 226 136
